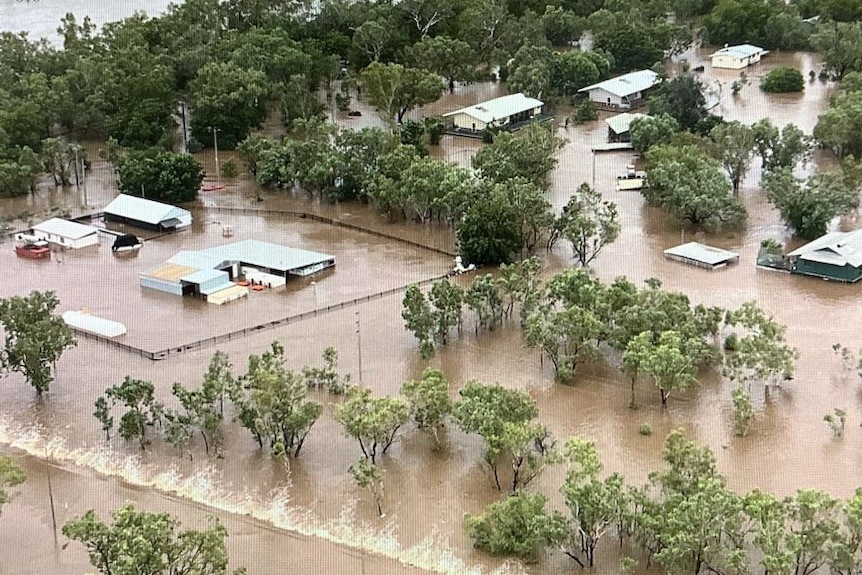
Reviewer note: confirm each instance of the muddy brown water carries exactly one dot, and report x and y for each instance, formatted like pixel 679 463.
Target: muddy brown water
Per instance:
pixel 324 517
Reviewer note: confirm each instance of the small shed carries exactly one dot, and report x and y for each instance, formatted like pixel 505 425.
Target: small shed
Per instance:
pixel 626 91
pixel 146 214
pixel 503 111
pixel 620 125
pixel 701 255
pixel 737 57
pixel 65 233
pixel 835 256
pixel 83 321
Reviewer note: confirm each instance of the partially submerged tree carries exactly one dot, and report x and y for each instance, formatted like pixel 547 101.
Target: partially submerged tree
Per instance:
pixel 428 401
pixel 588 222
pixel 763 354
pixel 735 144
pixel 35 337
pixel 372 421
pixel 150 544
pixel 518 526
pixel 810 206
pixel 327 377
pixel 782 148
pixel 665 361
pixel 690 185
pixel 419 319
pixel 10 476
pixel 142 410
pixel 368 476
pixel 395 90
pixel 271 404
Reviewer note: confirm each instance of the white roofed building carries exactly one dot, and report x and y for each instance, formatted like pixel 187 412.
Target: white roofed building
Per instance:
pixel 623 92
pixel 65 233
pixel 146 214
pixel 835 256
pixel 619 126
pixel 737 57
pixel 503 111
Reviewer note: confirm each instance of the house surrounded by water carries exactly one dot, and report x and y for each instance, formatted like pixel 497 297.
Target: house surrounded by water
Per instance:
pixel 499 112
pixel 623 92
pixel 737 57
pixel 210 273
pixel 619 126
pixel 835 256
pixel 146 214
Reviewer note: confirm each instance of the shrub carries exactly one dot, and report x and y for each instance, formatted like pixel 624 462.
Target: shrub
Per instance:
pixel 783 80
pixel 645 429
pixel 229 169
pixel 731 342
pixel 587 112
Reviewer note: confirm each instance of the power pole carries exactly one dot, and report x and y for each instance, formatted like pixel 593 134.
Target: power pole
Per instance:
pixel 84 180
pixel 215 144
pixel 185 130
pixel 359 344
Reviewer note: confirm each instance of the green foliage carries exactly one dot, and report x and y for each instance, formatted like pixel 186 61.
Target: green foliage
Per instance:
pixel 840 127
pixel 840 46
pixel 419 319
pixel 142 410
pixel 450 58
pixel 251 151
pixel 299 101
pixel 595 505
pixel 446 299
pixel 809 207
pixel 743 413
pixel 737 85
pixel 161 176
pixel 229 98
pixel 682 99
pixel 588 222
pixel 586 112
pixel 145 543
pixel 782 80
pixel 484 298
pixel 518 526
pixel 35 337
pixel 731 343
pixel 690 185
pixel 665 360
pixel 768 24
pixel 636 42
pixel 530 71
pixel 10 476
pixel 428 401
pixel 489 232
pixel 372 421
pixel 271 404
pixel 503 417
pixel 395 90
pixel 650 131
pixel 762 354
pixel 531 154
pixel 327 377
pixel 573 70
pixel 735 145
pixel 229 169
pixel 435 129
pixel 780 148
pixel 645 429
pixel 368 476
pixel 199 413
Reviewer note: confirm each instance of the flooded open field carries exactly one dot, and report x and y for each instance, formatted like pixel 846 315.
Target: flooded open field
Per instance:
pixel 309 516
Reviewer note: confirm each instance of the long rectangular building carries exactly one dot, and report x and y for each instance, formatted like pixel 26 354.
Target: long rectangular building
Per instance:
pixel 146 214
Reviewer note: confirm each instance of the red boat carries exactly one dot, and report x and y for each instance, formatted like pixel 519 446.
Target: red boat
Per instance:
pixel 33 251
pixel 212 188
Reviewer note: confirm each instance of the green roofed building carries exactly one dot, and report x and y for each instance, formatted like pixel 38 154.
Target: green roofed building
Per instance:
pixel 835 256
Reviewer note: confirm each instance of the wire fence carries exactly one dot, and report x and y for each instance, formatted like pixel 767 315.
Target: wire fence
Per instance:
pixel 241 333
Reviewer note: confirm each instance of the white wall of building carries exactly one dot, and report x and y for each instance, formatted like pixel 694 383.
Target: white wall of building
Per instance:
pixel 91 240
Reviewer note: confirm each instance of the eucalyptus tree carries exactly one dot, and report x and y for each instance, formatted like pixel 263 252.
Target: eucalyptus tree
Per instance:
pixel 665 361
pixel 142 410
pixel 588 222
pixel 10 476
pixel 762 352
pixel 428 401
pixel 484 298
pixel 372 421
pixel 35 337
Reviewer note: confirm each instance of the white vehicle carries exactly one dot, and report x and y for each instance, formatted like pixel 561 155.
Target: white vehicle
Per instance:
pixel 631 180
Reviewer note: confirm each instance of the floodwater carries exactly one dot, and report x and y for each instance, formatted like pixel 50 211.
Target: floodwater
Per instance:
pixel 313 500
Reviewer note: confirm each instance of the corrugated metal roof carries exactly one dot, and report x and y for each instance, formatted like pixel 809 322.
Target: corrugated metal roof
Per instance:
pixel 627 84
pixel 203 276
pixel 90 323
pixel 143 210
pixel 741 51
pixel 621 122
pixel 266 255
pixel 65 228
pixel 835 248
pixel 701 253
pixel 197 260
pixel 499 108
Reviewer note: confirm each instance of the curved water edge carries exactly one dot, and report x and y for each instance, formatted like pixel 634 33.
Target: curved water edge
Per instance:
pixel 274 509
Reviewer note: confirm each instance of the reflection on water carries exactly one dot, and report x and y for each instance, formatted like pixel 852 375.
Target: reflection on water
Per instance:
pixel 428 492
